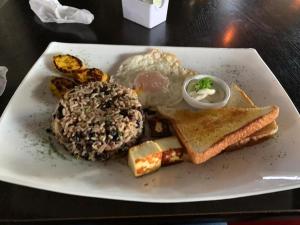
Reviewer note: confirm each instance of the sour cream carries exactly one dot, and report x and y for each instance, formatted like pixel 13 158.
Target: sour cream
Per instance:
pixel 202 94
pixel 210 95
pixel 216 96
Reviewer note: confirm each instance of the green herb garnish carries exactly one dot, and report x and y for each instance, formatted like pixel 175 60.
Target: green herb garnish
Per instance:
pixel 205 83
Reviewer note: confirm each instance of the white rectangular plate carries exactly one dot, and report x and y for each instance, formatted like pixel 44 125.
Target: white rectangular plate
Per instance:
pixel 28 158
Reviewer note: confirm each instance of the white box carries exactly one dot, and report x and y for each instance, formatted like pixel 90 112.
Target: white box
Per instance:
pixel 147 15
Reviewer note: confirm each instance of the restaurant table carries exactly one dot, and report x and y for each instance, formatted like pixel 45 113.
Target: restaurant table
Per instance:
pixel 272 27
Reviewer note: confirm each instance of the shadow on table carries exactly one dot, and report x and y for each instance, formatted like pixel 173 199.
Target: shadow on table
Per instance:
pixel 81 31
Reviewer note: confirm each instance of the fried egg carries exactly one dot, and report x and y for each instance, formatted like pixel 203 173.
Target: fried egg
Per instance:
pixel 156 76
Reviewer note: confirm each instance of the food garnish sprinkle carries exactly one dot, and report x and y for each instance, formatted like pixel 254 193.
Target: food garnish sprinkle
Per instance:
pixel 201 88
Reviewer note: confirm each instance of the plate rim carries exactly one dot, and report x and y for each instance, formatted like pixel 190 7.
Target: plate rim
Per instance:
pixel 132 198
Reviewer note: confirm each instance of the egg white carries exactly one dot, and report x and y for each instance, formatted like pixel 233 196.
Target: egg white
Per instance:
pixel 167 65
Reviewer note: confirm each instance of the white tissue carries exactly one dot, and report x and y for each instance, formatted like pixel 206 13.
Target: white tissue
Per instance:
pixel 3 71
pixel 52 11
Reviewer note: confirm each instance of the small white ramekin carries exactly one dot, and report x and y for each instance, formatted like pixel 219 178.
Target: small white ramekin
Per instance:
pixel 204 105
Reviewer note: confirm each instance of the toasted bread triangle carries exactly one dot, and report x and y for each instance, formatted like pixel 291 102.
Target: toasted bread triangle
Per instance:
pixel 239 98
pixel 206 133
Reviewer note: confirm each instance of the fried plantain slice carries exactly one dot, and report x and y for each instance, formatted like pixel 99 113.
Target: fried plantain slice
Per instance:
pixel 92 74
pixel 60 85
pixel 67 63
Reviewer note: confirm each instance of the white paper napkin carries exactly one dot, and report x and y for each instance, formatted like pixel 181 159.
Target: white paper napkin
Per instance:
pixel 52 11
pixel 3 71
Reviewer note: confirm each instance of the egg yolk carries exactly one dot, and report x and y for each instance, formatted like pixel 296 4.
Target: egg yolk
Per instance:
pixel 151 82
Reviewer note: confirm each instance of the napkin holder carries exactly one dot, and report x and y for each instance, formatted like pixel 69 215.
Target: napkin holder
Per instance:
pixel 147 15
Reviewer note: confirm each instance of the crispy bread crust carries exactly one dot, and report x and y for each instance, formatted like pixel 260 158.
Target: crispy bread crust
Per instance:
pixel 251 142
pixel 257 137
pixel 229 139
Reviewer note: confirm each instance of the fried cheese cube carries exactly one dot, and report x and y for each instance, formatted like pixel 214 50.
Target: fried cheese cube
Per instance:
pixel 144 158
pixel 172 150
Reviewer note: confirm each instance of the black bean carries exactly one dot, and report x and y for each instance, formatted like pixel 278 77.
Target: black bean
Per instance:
pixel 124 112
pixel 103 156
pixel 78 136
pixel 115 134
pixel 107 132
pixel 124 149
pixel 107 124
pixel 89 145
pixel 115 98
pixel 48 130
pixel 105 90
pixel 113 86
pixel 91 134
pixel 131 116
pixel 59 112
pixel 79 146
pixel 106 105
pixel 85 156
